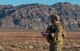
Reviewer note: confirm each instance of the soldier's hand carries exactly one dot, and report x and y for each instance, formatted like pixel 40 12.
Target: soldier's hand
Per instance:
pixel 44 34
pixel 52 34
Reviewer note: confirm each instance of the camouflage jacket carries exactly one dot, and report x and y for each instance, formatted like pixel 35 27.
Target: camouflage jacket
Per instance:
pixel 58 31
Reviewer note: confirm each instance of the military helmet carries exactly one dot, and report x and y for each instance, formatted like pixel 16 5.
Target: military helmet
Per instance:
pixel 55 17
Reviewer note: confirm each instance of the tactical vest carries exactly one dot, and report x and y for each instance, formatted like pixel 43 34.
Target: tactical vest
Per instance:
pixel 52 29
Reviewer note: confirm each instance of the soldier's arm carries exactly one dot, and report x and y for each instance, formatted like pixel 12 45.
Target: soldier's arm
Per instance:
pixel 45 33
pixel 48 29
pixel 62 31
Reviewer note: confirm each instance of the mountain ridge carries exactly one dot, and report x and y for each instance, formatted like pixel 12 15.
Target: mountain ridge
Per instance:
pixel 37 16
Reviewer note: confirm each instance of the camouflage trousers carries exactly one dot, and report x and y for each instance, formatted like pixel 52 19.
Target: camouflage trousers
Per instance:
pixel 56 46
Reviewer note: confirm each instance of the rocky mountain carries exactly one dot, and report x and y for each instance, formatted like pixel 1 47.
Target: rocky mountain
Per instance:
pixel 37 16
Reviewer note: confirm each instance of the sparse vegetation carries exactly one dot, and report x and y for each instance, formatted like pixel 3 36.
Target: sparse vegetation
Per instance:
pixel 33 41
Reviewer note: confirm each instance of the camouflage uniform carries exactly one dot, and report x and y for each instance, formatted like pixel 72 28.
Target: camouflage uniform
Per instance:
pixel 56 42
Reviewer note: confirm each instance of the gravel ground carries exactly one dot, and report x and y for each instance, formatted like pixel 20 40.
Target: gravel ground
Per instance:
pixel 33 41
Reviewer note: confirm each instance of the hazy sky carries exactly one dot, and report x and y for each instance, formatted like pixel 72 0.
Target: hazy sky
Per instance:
pixel 47 2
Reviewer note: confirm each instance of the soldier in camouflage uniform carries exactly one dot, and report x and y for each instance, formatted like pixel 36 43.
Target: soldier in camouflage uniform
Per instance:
pixel 55 34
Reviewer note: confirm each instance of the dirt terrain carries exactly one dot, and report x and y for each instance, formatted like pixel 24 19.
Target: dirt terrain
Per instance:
pixel 33 41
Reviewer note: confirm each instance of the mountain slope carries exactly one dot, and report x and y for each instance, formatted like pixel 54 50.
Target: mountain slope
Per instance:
pixel 37 16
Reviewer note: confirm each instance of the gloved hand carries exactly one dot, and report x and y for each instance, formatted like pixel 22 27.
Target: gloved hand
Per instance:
pixel 52 34
pixel 44 34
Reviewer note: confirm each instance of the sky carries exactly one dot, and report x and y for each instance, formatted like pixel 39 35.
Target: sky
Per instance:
pixel 46 2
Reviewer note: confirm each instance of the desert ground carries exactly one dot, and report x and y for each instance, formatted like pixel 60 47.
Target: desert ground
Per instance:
pixel 33 41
